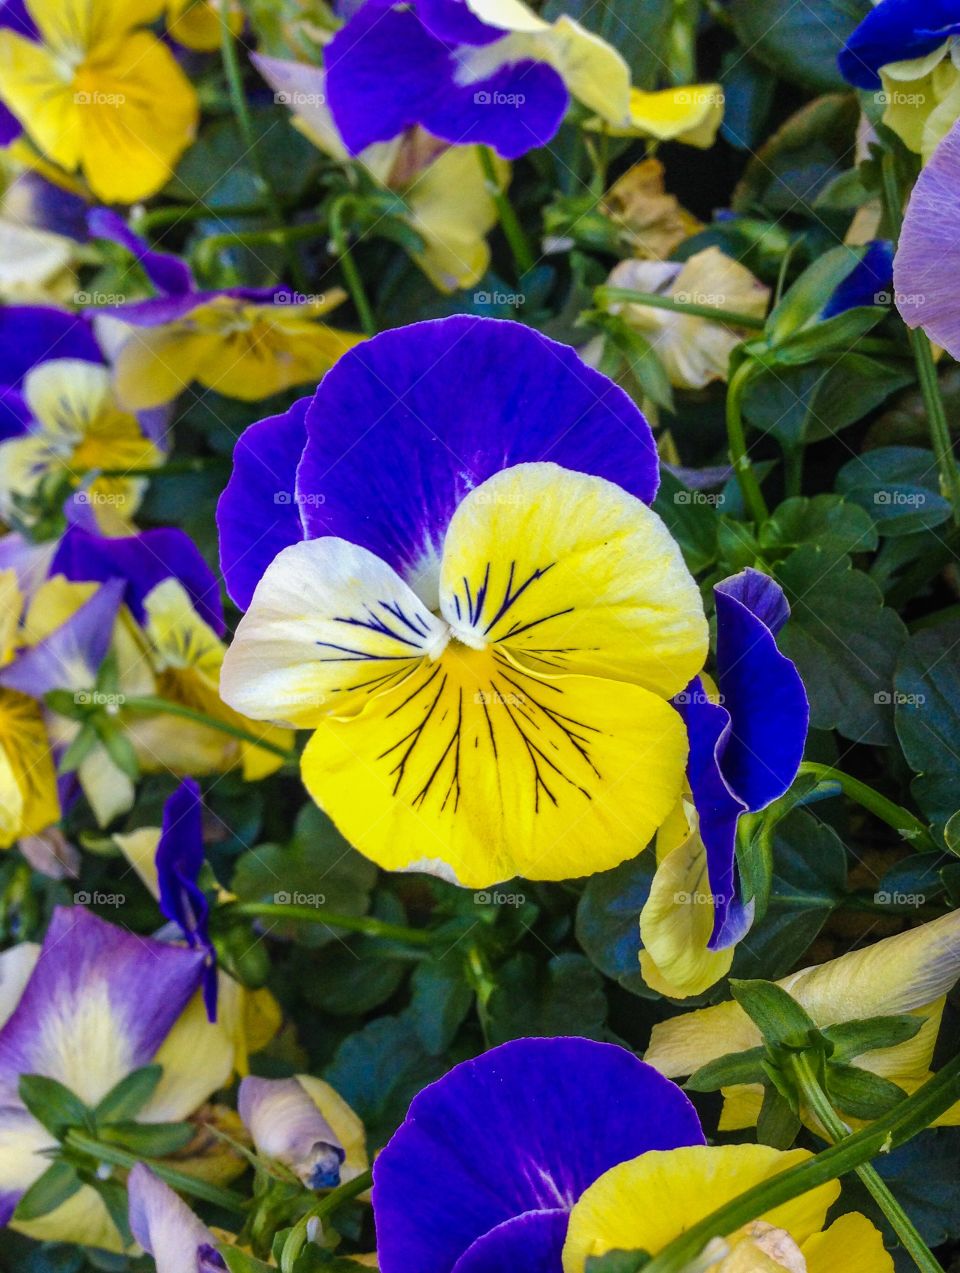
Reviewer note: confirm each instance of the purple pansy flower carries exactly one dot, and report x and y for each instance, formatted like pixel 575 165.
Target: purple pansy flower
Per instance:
pixel 404 426
pixel 483 1172
pixel 896 31
pixel 927 256
pixel 746 749
pixel 438 64
pixel 179 861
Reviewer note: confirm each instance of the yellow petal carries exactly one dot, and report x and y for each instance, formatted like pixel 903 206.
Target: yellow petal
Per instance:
pixel 452 209
pixel 39 89
pixel 851 1243
pixel 16 965
pixel 691 115
pixel 677 922
pixel 138 114
pixel 478 770
pixel 594 72
pixel 75 25
pixel 570 573
pixel 347 1125
pixel 28 779
pixel 508 15
pixel 645 1203
pixel 82 1219
pixel 140 849
pixel 154 364
pixel 197 1059
pixel 197 24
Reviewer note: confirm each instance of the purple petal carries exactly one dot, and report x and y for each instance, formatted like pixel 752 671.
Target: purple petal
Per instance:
pixel 286 1124
pixel 532 1242
pixel 453 22
pixel 15 16
pixel 386 72
pixel 179 861
pixel 525 1127
pixel 146 985
pixel 404 425
pixel 31 334
pixel 142 561
pixel 165 1226
pixel 896 31
pixel 868 283
pixel 38 202
pixel 15 415
pixel 760 688
pixel 166 272
pixel 10 126
pixel 928 256
pixel 718 810
pixel 258 515
pixel 157 311
pixel 70 656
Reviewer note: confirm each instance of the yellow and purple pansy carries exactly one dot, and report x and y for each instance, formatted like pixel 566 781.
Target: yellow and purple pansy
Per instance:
pixel 490 1160
pixel 455 579
pixel 94 1004
pixel 468 71
pixel 244 342
pixel 746 744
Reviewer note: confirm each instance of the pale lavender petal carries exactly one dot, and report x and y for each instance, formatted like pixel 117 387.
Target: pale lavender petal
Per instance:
pixel 165 1226
pixel 286 1125
pixel 69 657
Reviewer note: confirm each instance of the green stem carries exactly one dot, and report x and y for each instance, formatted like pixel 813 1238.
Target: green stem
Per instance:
pixel 909 1117
pixel 148 704
pixel 739 455
pixel 179 1180
pixel 241 110
pixel 923 357
pixel 481 978
pixel 349 266
pixel 837 1131
pixel 175 214
pixel 366 924
pixel 603 295
pixel 683 41
pixel 523 258
pixel 907 825
pixel 297 1237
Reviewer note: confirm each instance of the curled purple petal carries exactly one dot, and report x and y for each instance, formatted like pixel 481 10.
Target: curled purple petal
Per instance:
pixel 168 273
pixel 179 861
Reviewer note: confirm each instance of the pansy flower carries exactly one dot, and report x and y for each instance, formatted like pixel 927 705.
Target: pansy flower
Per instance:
pixel 304 1124
pixel 908 49
pixel 167 1229
pixel 244 342
pixel 76 428
pixel 446 200
pixel 746 745
pixel 40 236
pixel 29 800
pixel 468 71
pixel 197 24
pixel 482 629
pixel 489 1161
pixel 691 115
pixel 94 1004
pixel 927 253
pixel 98 93
pixel 695 351
pixel 644 1204
pixel 168 644
pixel 30 334
pixel 910 972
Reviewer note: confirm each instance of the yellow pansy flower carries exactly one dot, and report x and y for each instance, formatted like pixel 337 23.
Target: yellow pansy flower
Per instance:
pixel 98 93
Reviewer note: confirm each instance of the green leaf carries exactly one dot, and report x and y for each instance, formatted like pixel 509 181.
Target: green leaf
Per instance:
pixel 565 995
pixel 778 1124
pixel 152 1140
pixel 845 643
pixel 52 1104
pixel 851 1039
pixel 618 1262
pixel 441 1000
pixel 835 527
pixel 927 694
pixel 924 1177
pixel 778 1017
pixel 691 517
pixel 115 1199
pixel 728 1071
pixel 130 1095
pixel 799 41
pixel 828 336
pixel 318 867
pixel 860 1094
pixel 608 921
pixel 802 303
pixel 56 1186
pixel 239 1262
pixel 898 486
